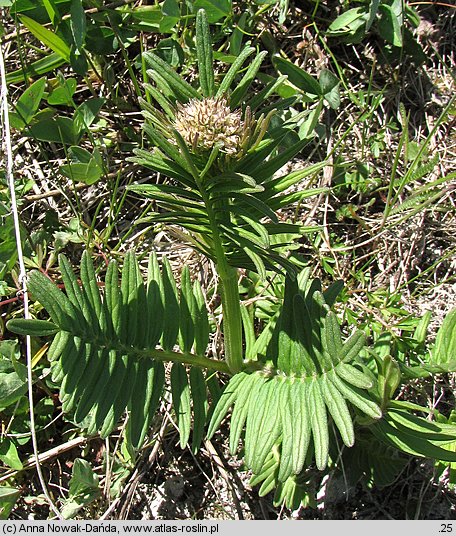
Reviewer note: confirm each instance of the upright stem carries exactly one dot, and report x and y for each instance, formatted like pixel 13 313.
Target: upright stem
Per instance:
pixel 231 307
pixel 232 323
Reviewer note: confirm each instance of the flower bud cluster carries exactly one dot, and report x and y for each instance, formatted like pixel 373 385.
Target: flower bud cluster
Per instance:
pixel 205 123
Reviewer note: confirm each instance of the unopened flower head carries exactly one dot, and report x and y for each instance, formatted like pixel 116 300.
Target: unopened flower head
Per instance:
pixel 205 123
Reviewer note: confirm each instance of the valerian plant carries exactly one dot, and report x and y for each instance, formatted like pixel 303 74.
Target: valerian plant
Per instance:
pixel 298 390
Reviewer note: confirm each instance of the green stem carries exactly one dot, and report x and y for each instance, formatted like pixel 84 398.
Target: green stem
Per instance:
pixel 185 359
pixel 195 360
pixel 231 306
pixel 232 322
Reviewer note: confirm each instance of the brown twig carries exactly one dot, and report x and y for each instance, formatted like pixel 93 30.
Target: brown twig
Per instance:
pixel 49 454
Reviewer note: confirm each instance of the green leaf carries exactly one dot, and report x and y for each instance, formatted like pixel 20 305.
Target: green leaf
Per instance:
pixel 414 444
pixel 302 425
pixel 353 376
pixel 94 379
pixel 158 162
pixel 215 9
pixel 353 346
pixel 134 319
pixel 112 342
pixel 420 333
pixel 257 261
pixel 84 488
pixel 243 86
pixel 161 99
pixel 9 455
pixel 273 85
pixel 86 113
pixel 238 34
pixel 47 37
pixel 280 346
pixel 268 475
pixel 37 68
pixel 444 350
pixel 34 328
pixel 122 397
pixel 349 23
pixel 308 126
pixel 72 364
pixel 249 333
pixel 28 104
pixel 187 312
pixel 171 52
pixel 241 407
pixel 181 401
pixel 52 11
pixel 171 8
pixel 306 356
pixel 86 168
pixel 390 24
pixel 356 396
pixel 199 401
pixel 202 328
pixel 112 305
pixel 260 207
pixel 330 88
pixel 432 430
pixel 78 62
pixel 171 307
pixel 58 345
pixel 144 400
pixel 108 405
pixel 159 140
pixel 183 90
pixel 80 310
pixel 267 425
pixel 373 10
pixel 225 401
pixel 154 289
pixel 151 18
pixel 338 410
pixel 255 410
pixel 12 385
pixel 331 340
pixel 279 184
pixel 10 350
pixel 57 130
pixel 204 54
pixel 319 424
pixel 332 292
pixel 265 170
pixel 63 94
pixel 171 15
pixel 388 380
pixel 8 498
pixel 78 24
pixel 233 182
pixel 169 201
pixel 233 71
pixel 373 462
pixel 297 76
pixel 290 429
pixel 214 386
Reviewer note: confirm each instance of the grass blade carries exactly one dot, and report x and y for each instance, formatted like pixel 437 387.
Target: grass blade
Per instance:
pixel 48 38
